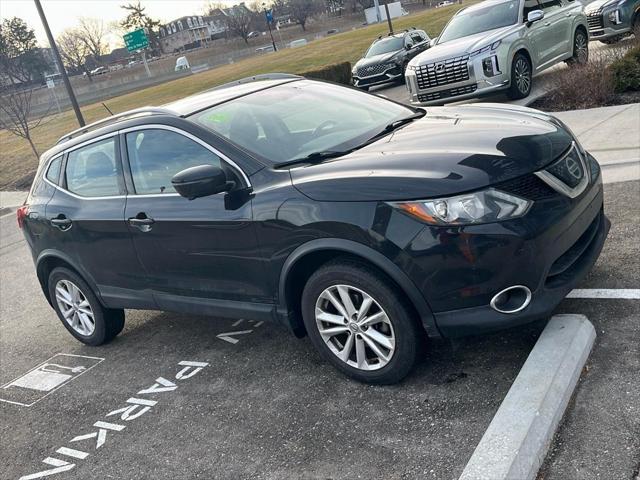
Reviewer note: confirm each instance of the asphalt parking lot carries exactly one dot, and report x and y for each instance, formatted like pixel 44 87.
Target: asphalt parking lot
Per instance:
pixel 267 406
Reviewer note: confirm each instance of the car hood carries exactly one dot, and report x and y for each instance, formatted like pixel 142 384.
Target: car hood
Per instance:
pixel 461 46
pixel 376 59
pixel 593 6
pixel 449 151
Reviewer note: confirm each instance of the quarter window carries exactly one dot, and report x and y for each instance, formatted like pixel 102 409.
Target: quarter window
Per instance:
pixel 92 170
pixel 548 5
pixel 156 155
pixel 53 173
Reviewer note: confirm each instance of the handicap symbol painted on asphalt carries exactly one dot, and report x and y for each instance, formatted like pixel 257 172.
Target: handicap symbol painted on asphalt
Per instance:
pixel 46 378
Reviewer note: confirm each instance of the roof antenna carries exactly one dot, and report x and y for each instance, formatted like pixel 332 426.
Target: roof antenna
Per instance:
pixel 110 112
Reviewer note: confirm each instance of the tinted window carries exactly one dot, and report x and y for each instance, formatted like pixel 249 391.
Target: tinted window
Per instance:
pixel 297 119
pixel 481 19
pixel 92 172
pixel 157 155
pixel 53 173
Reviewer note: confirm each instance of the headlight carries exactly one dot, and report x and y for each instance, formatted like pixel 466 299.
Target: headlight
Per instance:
pixel 413 68
pixel 615 17
pixel 486 206
pixel 491 47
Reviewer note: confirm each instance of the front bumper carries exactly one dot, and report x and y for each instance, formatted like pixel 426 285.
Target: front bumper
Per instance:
pixel 601 28
pixel 476 85
pixel 549 251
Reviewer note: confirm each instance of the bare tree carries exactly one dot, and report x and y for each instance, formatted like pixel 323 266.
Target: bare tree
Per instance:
pixel 21 61
pixel 16 115
pixel 238 21
pixel 74 51
pixel 302 10
pixel 93 32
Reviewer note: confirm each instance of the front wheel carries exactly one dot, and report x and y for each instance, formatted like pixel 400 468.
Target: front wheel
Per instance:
pixel 360 323
pixel 80 311
pixel 580 49
pixel 521 77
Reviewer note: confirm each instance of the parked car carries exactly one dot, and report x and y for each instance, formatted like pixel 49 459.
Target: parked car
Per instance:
pixel 387 58
pixel 498 45
pixel 99 71
pixel 253 34
pixel 612 20
pixel 265 49
pixel 182 63
pixel 359 221
pixel 301 42
pixel 446 3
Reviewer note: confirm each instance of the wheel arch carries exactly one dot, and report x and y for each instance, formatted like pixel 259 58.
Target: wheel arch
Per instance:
pixel 51 259
pixel 305 259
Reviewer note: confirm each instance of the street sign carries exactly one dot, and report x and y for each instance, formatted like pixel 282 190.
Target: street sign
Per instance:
pixel 136 40
pixel 50 83
pixel 269 15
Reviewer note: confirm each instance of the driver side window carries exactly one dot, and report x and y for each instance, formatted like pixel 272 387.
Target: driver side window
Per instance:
pixel 156 155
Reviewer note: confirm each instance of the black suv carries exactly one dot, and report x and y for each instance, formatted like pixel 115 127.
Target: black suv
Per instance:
pixel 388 57
pixel 359 221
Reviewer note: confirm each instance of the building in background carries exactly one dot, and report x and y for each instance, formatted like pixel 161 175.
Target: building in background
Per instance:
pixel 184 33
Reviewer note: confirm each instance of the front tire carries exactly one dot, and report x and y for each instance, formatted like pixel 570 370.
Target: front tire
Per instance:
pixel 80 311
pixel 521 77
pixel 580 49
pixel 360 324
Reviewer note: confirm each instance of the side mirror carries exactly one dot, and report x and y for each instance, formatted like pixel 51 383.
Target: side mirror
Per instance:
pixel 408 47
pixel 433 41
pixel 201 181
pixel 534 16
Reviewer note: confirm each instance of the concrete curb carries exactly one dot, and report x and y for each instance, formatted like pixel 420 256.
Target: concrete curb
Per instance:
pixel 516 442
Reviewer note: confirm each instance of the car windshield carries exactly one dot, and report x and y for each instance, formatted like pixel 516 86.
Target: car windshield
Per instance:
pixel 386 45
pixel 477 20
pixel 301 118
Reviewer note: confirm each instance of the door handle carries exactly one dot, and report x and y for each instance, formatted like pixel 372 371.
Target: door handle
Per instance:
pixel 142 222
pixel 547 24
pixel 62 222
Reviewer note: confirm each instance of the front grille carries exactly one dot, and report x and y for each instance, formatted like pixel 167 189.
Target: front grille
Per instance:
pixel 595 20
pixel 441 73
pixel 569 170
pixel 529 187
pixel 442 94
pixel 372 70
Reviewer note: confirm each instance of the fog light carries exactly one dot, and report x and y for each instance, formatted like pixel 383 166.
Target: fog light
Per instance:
pixel 490 66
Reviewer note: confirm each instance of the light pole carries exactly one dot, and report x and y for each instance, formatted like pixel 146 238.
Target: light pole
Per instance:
pixel 269 16
pixel 63 72
pixel 386 8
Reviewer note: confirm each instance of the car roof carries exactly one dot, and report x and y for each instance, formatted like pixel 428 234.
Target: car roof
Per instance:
pixel 481 5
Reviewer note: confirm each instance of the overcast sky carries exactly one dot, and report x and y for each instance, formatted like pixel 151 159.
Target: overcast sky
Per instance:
pixel 62 14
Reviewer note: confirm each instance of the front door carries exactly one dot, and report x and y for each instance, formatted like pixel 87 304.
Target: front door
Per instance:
pixel 205 248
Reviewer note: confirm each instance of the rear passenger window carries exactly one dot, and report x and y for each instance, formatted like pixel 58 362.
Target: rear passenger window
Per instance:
pixel 53 173
pixel 92 171
pixel 157 155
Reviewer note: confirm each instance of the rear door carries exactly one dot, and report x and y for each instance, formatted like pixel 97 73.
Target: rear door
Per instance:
pixel 553 41
pixel 205 248
pixel 85 219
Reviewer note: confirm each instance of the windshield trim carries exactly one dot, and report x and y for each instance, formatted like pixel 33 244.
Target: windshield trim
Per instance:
pixel 401 39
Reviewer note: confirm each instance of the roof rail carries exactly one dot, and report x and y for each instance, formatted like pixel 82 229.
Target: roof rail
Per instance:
pixel 113 118
pixel 257 78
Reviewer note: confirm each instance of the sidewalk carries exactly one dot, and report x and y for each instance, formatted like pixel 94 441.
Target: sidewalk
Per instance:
pixel 9 201
pixel 612 135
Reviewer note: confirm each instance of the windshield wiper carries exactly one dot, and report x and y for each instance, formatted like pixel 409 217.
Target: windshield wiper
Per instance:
pixel 399 123
pixel 315 157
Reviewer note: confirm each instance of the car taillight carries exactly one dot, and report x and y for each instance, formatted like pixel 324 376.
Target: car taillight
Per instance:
pixel 22 212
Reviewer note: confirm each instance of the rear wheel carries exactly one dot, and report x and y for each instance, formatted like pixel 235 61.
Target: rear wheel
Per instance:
pixel 80 311
pixel 360 324
pixel 580 49
pixel 521 77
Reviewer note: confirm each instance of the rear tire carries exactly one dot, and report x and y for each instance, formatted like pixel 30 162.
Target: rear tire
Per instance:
pixel 521 77
pixel 377 344
pixel 80 311
pixel 580 49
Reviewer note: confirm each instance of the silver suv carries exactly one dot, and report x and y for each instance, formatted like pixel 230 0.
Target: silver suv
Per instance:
pixel 498 45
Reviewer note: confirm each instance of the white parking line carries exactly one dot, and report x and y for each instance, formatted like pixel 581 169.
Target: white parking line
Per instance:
pixel 624 293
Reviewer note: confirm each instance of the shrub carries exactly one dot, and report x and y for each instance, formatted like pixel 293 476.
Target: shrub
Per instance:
pixel 338 72
pixel 626 72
